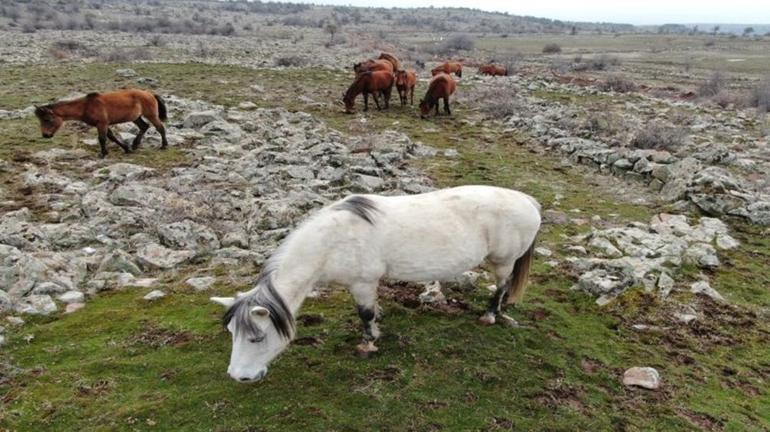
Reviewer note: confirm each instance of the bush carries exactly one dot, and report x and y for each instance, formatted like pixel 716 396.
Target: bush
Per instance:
pixel 551 48
pixel 759 96
pixel 453 44
pixel 156 41
pixel 659 136
pixel 618 84
pixel 290 61
pixel 126 55
pixel 604 61
pixel 713 86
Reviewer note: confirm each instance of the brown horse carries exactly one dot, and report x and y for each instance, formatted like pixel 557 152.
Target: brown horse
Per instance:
pixel 494 70
pixel 448 68
pixel 105 109
pixel 405 82
pixel 441 87
pixel 373 66
pixel 368 83
pixel 392 59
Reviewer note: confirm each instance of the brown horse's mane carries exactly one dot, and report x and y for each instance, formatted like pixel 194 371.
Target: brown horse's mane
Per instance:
pixel 392 59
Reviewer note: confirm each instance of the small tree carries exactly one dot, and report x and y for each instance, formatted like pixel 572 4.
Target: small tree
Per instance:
pixel 748 31
pixel 715 30
pixel 331 28
pixel 573 31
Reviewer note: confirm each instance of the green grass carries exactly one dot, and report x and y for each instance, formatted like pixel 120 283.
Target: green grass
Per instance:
pixel 125 364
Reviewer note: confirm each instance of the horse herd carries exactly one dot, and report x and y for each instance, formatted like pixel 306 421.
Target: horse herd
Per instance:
pixel 376 77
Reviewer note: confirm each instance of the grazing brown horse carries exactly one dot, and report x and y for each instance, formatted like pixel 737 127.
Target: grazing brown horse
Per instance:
pixel 373 66
pixel 441 87
pixel 405 82
pixel 105 109
pixel 368 83
pixel 494 70
pixel 448 68
pixel 392 59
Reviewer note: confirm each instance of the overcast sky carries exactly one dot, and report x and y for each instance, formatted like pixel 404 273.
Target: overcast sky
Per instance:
pixel 619 11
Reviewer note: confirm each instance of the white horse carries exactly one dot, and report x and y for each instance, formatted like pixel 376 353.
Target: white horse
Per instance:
pixel 362 239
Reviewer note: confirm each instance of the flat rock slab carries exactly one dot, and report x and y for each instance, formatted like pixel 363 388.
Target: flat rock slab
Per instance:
pixel 154 295
pixel 156 256
pixel 645 377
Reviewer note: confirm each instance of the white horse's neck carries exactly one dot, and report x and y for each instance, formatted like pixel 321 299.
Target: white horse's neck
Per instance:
pixel 297 265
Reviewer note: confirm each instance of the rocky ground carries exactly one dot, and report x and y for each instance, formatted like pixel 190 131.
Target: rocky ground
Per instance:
pixel 76 227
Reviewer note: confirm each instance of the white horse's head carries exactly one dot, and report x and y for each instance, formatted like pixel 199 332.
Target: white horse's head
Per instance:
pixel 261 327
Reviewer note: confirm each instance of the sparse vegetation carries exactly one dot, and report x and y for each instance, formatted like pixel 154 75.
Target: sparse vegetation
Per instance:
pixel 659 136
pixel 619 84
pixel 290 61
pixel 715 84
pixel 759 96
pixel 552 48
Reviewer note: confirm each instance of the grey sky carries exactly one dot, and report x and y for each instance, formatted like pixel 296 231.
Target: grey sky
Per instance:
pixel 620 11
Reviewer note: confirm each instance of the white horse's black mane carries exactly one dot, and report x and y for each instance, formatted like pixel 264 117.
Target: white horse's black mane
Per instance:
pixel 361 206
pixel 267 297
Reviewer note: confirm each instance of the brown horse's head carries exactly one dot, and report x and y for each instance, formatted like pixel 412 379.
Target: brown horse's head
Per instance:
pixel 401 78
pixel 49 121
pixel 425 108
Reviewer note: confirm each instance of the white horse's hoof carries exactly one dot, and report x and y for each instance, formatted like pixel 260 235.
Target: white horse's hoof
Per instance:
pixel 508 321
pixel 366 349
pixel 487 319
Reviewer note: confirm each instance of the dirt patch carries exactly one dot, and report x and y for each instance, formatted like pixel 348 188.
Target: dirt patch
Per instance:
pixel 408 295
pixel 309 320
pixel 557 393
pixel 308 340
pixel 701 420
pixel 98 388
pixel 590 366
pixel 155 337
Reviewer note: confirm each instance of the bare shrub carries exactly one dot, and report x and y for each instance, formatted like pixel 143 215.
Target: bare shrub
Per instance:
pixel 290 61
pixel 725 99
pixel 156 41
pixel 551 48
pixel 618 84
pixel 605 123
pixel 497 102
pixel 716 83
pixel 603 62
pixel 659 136
pixel 125 55
pixel 454 44
pixel 759 96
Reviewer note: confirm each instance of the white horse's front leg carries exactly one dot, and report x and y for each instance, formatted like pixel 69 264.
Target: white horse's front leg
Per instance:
pixel 365 296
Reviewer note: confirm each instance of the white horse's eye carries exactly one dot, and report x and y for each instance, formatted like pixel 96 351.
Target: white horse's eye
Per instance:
pixel 256 339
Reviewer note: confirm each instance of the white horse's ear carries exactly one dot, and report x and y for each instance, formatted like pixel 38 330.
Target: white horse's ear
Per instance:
pixel 259 312
pixel 224 301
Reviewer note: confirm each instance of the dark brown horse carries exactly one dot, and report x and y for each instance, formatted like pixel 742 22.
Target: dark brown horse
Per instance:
pixel 441 87
pixel 448 68
pixel 405 82
pixel 369 83
pixel 494 70
pixel 105 109
pixel 373 66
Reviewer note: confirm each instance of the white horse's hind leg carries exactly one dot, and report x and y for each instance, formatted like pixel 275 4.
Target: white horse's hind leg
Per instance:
pixel 365 296
pixel 503 274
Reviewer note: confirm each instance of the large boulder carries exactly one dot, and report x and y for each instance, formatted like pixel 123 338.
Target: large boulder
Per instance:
pixel 153 255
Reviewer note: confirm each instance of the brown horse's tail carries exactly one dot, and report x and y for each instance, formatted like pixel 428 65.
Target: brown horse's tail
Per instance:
pixel 162 111
pixel 518 280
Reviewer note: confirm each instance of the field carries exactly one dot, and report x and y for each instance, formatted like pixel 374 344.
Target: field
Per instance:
pixel 123 363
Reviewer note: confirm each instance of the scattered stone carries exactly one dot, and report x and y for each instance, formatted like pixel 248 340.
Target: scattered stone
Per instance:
pixel 72 297
pixel 154 295
pixel 36 305
pixel 13 320
pixel 685 318
pixel 201 283
pixel 154 255
pixel 119 261
pixel 432 294
pixel 703 287
pixel 665 284
pixel 73 307
pixel 125 73
pixel 645 377
pixel 543 251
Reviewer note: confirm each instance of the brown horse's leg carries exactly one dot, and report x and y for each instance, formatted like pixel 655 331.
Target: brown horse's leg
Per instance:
pixel 117 141
pixel 411 94
pixel 143 126
pixel 446 106
pixel 366 101
pixel 376 101
pixel 161 129
pixel 436 107
pixel 102 131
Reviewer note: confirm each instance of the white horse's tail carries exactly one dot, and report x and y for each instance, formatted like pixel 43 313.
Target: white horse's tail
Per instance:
pixel 520 275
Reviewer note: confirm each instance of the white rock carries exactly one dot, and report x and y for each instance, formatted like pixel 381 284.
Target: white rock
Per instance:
pixel 646 377
pixel 685 318
pixel 432 294
pixel 703 287
pixel 543 251
pixel 726 241
pixel 73 307
pixel 580 250
pixel 2 340
pixel 36 305
pixel 72 297
pixel 154 295
pixel 201 283
pixel 665 284
pixel 14 320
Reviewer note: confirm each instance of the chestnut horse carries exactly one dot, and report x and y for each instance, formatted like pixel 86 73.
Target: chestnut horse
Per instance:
pixel 369 83
pixel 448 68
pixel 373 66
pixel 405 82
pixel 105 109
pixel 392 59
pixel 441 87
pixel 493 70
